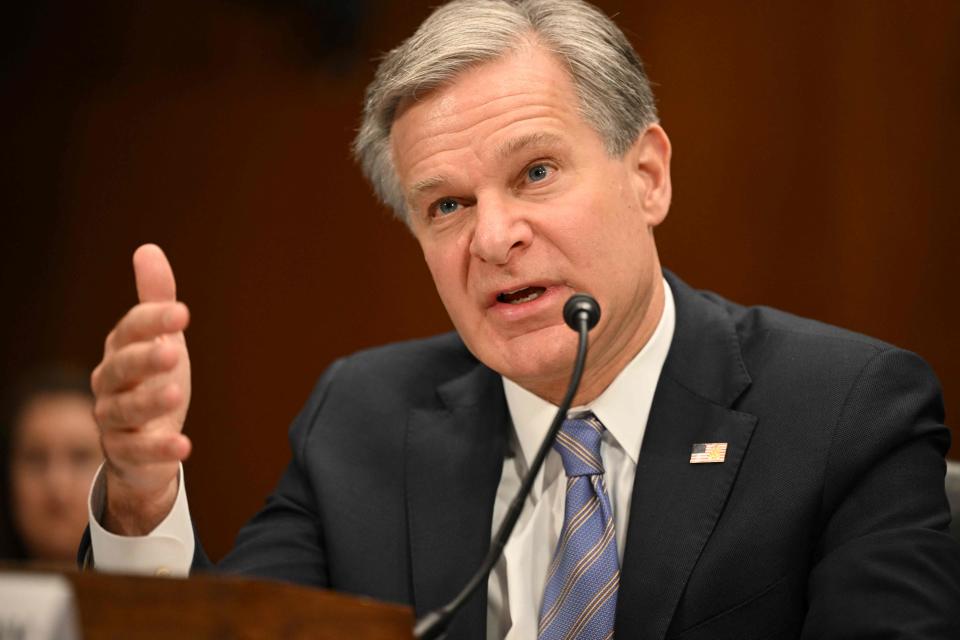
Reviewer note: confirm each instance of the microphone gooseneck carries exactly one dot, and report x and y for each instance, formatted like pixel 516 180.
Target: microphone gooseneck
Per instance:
pixel 581 312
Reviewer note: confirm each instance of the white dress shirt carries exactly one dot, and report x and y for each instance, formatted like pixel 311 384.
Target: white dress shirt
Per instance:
pixel 165 551
pixel 516 585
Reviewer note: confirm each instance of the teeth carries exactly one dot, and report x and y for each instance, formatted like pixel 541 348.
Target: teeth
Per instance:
pixel 533 295
pixel 521 295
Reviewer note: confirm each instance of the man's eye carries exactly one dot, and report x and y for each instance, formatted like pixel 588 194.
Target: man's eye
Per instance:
pixel 447 206
pixel 538 172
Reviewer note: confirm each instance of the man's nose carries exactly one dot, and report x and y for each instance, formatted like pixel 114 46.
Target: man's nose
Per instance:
pixel 501 230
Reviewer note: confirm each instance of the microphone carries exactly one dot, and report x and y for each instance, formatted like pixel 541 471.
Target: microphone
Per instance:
pixel 581 313
pixel 581 306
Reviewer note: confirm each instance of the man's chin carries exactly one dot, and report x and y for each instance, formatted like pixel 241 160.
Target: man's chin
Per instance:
pixel 538 360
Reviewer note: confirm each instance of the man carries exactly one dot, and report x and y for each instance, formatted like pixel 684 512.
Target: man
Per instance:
pixel 790 478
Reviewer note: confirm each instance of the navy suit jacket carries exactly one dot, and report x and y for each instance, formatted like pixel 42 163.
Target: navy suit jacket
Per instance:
pixel 828 518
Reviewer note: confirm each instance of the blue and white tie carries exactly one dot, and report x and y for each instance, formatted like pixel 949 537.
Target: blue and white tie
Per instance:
pixel 580 598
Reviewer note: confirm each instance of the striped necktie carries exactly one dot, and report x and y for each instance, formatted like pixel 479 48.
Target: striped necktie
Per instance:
pixel 580 598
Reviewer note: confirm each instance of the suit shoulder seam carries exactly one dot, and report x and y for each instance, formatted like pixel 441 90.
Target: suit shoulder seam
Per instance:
pixel 876 345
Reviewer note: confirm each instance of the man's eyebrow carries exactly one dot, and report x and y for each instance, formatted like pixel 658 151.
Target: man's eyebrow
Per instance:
pixel 538 139
pixel 424 185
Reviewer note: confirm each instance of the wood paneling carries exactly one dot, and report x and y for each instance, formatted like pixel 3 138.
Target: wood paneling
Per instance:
pixel 815 170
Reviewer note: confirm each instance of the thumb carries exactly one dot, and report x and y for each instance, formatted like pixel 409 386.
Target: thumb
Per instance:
pixel 154 276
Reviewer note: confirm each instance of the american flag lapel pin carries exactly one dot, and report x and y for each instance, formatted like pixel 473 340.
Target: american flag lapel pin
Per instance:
pixel 705 452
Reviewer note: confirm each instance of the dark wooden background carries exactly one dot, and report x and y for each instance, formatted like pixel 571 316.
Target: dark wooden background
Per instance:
pixel 816 169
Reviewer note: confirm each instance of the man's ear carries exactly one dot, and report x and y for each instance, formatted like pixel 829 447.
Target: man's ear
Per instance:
pixel 649 159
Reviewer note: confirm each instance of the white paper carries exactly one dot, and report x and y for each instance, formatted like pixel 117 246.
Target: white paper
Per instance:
pixel 37 607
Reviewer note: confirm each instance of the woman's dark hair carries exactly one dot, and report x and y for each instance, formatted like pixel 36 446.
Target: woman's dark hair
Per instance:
pixel 55 379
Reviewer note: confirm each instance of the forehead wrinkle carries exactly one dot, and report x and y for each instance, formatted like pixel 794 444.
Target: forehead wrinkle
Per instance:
pixel 468 138
pixel 477 110
pixel 454 123
pixel 465 138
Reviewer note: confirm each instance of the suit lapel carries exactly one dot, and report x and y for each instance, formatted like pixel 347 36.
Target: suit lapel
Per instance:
pixel 454 457
pixel 675 505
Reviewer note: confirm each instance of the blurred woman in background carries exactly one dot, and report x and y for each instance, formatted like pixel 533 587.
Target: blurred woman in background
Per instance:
pixel 49 452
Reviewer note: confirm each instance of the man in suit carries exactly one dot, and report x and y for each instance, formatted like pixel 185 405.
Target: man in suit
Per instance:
pixel 728 472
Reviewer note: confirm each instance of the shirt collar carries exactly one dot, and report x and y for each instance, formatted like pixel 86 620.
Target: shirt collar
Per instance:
pixel 623 407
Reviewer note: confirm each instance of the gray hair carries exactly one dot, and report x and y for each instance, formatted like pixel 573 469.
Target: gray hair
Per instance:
pixel 613 90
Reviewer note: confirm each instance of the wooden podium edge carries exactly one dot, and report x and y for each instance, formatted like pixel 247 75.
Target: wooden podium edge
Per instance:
pixel 223 606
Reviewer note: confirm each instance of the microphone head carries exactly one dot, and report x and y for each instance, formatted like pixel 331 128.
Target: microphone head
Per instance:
pixel 578 305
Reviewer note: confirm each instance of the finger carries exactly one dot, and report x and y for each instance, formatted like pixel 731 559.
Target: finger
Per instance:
pixel 132 409
pixel 125 449
pixel 147 321
pixel 127 367
pixel 154 275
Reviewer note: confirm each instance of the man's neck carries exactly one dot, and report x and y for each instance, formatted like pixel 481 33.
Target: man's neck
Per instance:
pixel 599 374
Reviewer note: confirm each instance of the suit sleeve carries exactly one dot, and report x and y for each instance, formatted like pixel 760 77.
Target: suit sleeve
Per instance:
pixel 284 541
pixel 885 565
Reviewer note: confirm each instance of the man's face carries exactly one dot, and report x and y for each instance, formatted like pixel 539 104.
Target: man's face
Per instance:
pixel 517 205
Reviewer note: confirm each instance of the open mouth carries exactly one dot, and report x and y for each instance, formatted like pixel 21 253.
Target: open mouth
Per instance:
pixel 526 294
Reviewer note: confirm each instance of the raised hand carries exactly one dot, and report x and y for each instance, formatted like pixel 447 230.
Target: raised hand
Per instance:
pixel 142 389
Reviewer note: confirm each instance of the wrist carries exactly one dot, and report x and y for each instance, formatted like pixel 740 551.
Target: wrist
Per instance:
pixel 136 511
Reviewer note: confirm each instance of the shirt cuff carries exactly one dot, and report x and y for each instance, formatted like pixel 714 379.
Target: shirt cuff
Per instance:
pixel 165 551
